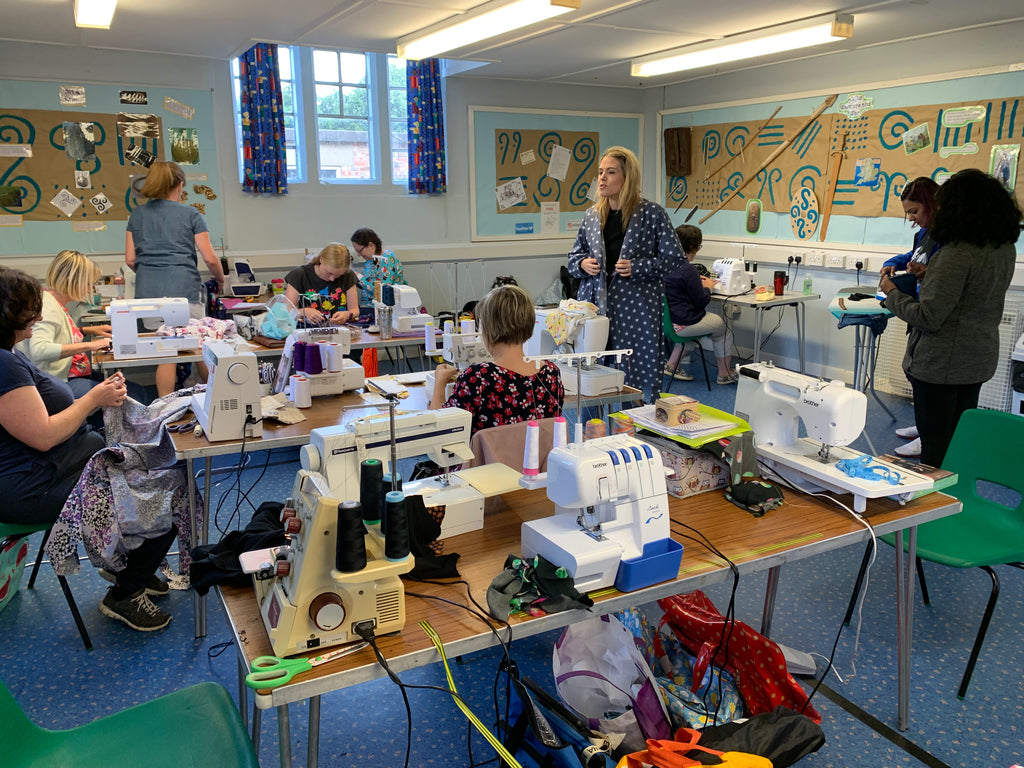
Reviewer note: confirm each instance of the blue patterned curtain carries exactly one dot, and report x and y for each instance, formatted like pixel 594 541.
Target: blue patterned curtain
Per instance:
pixel 266 167
pixel 426 127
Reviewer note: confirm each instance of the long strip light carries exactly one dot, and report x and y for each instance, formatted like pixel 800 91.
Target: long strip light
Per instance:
pixel 94 14
pixel 486 21
pixel 786 37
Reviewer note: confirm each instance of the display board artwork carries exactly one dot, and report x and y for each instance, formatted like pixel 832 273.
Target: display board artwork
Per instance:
pixel 554 166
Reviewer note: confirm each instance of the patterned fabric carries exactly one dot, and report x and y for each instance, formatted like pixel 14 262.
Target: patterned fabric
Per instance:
pixel 263 137
pixel 133 487
pixel 496 395
pixel 81 365
pixel 386 268
pixel 632 304
pixel 426 127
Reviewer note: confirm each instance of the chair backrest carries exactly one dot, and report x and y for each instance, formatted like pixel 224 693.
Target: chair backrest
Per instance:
pixel 666 324
pixel 18 735
pixel 505 444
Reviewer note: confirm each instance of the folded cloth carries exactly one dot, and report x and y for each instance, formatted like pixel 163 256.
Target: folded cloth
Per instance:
pixel 536 586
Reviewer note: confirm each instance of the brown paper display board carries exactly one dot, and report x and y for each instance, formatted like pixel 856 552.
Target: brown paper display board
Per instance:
pixel 525 154
pixel 82 167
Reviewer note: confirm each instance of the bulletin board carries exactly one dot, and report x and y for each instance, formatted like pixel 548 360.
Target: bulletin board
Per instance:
pixel 888 136
pixel 511 148
pixel 72 161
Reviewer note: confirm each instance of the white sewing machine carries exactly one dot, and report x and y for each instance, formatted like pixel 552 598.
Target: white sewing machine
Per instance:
pixel 610 503
pixel 124 315
pixel 347 374
pixel 730 277
pixel 590 336
pixel 244 282
pixel 230 407
pixel 406 316
pixel 309 603
pixel 461 350
pixel 775 401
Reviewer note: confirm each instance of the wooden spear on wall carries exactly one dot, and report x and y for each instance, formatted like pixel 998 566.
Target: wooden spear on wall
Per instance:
pixel 830 192
pixel 771 158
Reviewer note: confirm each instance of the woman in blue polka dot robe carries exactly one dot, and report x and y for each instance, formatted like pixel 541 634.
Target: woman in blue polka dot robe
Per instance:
pixel 624 248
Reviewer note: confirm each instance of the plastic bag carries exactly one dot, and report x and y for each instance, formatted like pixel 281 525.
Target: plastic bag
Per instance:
pixel 600 675
pixel 673 754
pixel 280 318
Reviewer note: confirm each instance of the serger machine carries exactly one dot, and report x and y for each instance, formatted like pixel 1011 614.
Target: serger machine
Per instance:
pixel 230 407
pixel 312 600
pixel 731 277
pixel 775 401
pixel 406 316
pixel 124 315
pixel 611 507
pixel 335 372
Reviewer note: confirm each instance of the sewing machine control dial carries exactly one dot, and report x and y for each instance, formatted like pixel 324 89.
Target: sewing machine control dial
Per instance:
pixel 238 373
pixel 283 568
pixel 327 611
pixel 292 525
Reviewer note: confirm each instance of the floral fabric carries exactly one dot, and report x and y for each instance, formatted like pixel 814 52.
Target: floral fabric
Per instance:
pixel 263 136
pixel 497 396
pixel 386 268
pixel 81 365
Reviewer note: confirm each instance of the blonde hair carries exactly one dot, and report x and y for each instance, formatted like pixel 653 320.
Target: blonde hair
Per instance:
pixel 506 315
pixel 629 195
pixel 163 176
pixel 335 256
pixel 73 274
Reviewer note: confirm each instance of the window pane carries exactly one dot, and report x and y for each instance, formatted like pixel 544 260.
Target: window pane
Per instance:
pixel 325 66
pixel 328 99
pixel 353 68
pixel 398 107
pixel 355 102
pixel 234 68
pixel 284 62
pixel 287 96
pixel 344 150
pixel 399 152
pixel 396 72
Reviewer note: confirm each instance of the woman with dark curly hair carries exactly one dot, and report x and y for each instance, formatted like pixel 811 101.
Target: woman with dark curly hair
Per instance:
pixel 953 342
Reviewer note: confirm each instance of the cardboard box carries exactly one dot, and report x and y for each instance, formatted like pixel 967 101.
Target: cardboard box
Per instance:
pixel 693 471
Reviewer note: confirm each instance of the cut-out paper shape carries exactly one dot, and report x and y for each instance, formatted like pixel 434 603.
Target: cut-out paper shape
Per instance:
pixel 867 171
pixel 10 197
pixel 88 226
pixel 80 141
pixel 753 224
pixel 175 106
pixel 527 157
pixel 201 207
pixel 558 166
pixel 970 148
pixel 65 202
pixel 100 202
pixel 855 106
pixel 71 95
pixel 592 191
pixel 11 220
pixel 133 97
pixel 135 125
pixel 202 189
pixel 803 213
pixel 957 117
pixel 15 150
pixel 139 156
pixel 510 193
pixel 1003 164
pixel 83 180
pixel 917 138
pixel 184 145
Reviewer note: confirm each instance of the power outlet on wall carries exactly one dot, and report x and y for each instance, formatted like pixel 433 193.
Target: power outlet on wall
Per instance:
pixel 815 259
pixel 853 260
pixel 835 261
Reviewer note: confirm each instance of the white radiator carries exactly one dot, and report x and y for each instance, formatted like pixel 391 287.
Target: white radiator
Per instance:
pixel 996 393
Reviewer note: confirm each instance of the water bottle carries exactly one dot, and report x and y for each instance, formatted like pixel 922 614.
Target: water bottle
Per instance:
pixel 808 283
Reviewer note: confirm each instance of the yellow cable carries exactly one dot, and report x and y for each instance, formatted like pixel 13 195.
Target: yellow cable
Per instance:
pixel 484 730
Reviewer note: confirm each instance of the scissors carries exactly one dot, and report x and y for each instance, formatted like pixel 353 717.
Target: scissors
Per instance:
pixel 270 671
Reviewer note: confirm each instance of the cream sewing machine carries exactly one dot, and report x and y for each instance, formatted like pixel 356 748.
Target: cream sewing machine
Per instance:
pixel 775 401
pixel 406 316
pixel 309 602
pixel 229 409
pixel 730 277
pixel 611 508
pixel 337 374
pixel 124 315
pixel 586 374
pixel 461 350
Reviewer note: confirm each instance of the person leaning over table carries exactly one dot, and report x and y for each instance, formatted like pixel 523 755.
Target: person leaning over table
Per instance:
pixel 508 390
pixel 623 250
pixel 161 246
pixel 45 444
pixel 324 290
pixel 953 338
pixel 379 264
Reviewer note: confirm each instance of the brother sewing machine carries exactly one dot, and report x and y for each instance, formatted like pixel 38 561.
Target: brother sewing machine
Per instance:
pixel 124 315
pixel 774 402
pixel 611 508
pixel 406 316
pixel 731 277
pixel 230 407
pixel 337 373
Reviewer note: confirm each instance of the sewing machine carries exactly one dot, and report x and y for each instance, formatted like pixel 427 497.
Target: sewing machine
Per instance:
pixel 730 277
pixel 406 316
pixel 589 336
pixel 229 409
pixel 348 376
pixel 124 315
pixel 775 401
pixel 244 283
pixel 308 603
pixel 610 507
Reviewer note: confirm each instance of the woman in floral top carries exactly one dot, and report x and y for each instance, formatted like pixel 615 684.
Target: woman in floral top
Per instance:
pixel 380 265
pixel 508 390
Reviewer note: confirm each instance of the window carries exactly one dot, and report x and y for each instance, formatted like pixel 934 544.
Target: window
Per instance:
pixel 343 116
pixel 398 119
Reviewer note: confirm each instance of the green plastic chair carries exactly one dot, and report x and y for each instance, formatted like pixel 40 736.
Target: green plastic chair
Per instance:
pixel 675 338
pixel 985 533
pixel 27 529
pixel 196 726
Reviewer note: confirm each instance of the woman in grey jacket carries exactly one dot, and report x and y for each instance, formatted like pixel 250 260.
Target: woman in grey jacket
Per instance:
pixel 953 346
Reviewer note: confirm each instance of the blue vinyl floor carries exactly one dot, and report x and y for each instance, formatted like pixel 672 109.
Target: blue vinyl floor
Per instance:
pixel 60 685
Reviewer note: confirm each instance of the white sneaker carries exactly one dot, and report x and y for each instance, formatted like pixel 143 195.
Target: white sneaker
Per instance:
pixel 908 433
pixel 911 449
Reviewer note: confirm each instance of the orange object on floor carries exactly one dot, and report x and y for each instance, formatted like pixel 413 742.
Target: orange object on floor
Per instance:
pixel 370 362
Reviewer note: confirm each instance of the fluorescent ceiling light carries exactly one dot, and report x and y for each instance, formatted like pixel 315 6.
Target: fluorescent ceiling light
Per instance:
pixel 488 20
pixel 786 37
pixel 95 14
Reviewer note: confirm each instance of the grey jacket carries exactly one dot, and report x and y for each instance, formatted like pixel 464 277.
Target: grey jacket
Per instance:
pixel 954 321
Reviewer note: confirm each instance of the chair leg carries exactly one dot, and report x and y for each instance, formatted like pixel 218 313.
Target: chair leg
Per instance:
pixel 39 559
pixel 74 612
pixel 704 364
pixel 858 584
pixel 924 584
pixel 982 630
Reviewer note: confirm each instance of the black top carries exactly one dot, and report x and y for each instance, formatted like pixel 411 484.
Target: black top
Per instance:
pixel 613 234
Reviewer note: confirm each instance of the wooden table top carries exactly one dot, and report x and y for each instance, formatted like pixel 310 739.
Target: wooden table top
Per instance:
pixel 802 527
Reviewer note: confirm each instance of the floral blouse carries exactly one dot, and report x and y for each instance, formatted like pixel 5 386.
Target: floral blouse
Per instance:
pixel 386 268
pixel 497 396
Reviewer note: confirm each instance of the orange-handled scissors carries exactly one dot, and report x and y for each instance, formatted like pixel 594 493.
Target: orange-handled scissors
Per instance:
pixel 270 671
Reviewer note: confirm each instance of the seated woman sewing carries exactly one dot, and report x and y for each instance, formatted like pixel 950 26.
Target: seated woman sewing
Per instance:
pixel 45 444
pixel 324 291
pixel 508 390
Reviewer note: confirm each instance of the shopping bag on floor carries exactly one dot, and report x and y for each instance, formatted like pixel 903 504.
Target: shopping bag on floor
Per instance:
pixel 681 753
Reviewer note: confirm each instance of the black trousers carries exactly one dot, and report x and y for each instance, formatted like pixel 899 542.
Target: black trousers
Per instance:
pixel 142 563
pixel 937 410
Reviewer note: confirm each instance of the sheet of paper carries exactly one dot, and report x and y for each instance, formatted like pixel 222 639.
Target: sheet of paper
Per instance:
pixel 592 191
pixel 71 95
pixel 527 157
pixel 15 150
pixel 510 193
pixel 558 166
pixel 175 106
pixel 65 202
pixel 549 218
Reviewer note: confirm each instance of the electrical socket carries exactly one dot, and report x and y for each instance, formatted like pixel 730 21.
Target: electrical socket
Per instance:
pixel 851 262
pixel 835 261
pixel 815 259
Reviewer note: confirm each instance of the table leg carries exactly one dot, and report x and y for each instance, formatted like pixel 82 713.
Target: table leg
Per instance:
pixel 243 692
pixel 872 361
pixel 801 329
pixel 197 600
pixel 758 323
pixel 257 726
pixel 771 588
pixel 313 742
pixel 205 538
pixel 905 571
pixel 284 736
